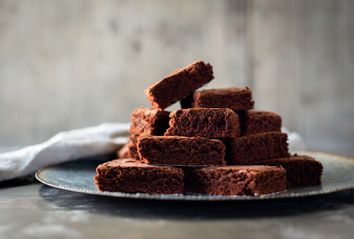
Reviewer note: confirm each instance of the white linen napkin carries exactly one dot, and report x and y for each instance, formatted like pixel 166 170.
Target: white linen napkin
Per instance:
pixel 296 142
pixel 66 146
pixel 82 143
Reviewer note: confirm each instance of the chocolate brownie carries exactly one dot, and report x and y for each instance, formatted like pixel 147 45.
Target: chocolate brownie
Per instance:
pixel 129 150
pixel 179 150
pixel 132 176
pixel 233 98
pixel 149 121
pixel 215 123
pixel 123 152
pixel 132 150
pixel 254 121
pixel 234 180
pixel 179 84
pixel 258 147
pixel 301 170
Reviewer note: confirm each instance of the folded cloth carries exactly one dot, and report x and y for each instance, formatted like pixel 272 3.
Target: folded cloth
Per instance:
pixel 82 143
pixel 296 142
pixel 66 146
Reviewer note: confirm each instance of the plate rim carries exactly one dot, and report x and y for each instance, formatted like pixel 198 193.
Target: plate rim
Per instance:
pixel 201 197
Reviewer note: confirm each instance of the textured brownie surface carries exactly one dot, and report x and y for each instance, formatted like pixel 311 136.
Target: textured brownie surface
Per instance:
pixel 258 147
pixel 132 176
pixel 149 121
pixel 179 84
pixel 254 122
pixel 301 170
pixel 233 98
pixel 215 123
pixel 234 180
pixel 178 150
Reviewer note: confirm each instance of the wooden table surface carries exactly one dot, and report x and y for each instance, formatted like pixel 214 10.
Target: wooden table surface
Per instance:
pixel 32 210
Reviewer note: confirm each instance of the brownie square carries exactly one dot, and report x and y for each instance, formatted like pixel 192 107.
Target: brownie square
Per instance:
pixel 179 84
pixel 179 150
pixel 255 121
pixel 215 123
pixel 234 98
pixel 129 150
pixel 234 180
pixel 132 146
pixel 258 147
pixel 301 170
pixel 132 176
pixel 149 121
pixel 123 152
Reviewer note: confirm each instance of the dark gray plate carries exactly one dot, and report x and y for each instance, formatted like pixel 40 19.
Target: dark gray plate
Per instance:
pixel 78 177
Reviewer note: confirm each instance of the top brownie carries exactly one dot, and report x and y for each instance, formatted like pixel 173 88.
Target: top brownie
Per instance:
pixel 234 98
pixel 179 84
pixel 214 123
pixel 149 121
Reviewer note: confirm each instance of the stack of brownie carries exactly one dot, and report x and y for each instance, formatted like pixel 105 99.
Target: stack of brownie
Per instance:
pixel 215 144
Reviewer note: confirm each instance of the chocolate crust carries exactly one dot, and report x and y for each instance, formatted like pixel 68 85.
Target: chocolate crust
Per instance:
pixel 235 180
pixel 149 121
pixel 301 170
pixel 132 176
pixel 234 98
pixel 256 148
pixel 179 84
pixel 214 123
pixel 179 150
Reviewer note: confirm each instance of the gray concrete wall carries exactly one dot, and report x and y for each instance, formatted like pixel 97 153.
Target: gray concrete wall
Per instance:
pixel 68 64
